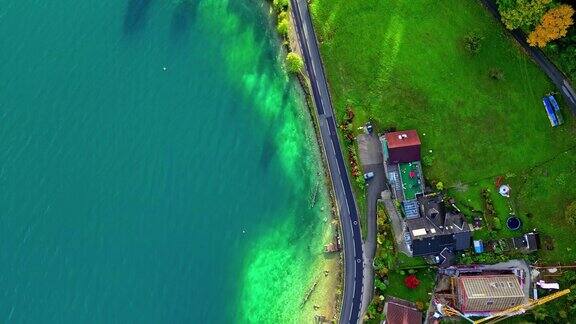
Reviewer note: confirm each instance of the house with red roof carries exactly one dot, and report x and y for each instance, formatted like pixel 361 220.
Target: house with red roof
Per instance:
pixel 403 146
pixel 399 311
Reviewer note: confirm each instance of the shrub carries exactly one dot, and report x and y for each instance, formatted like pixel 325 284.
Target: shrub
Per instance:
pixel 439 186
pixel 496 74
pixel 282 15
pixel 280 5
pixel 570 213
pixel 472 43
pixel 561 179
pixel 294 62
pixel 428 160
pixel 282 27
pixel 420 305
pixel 466 259
pixel 497 224
pixel 382 272
pixel 372 312
pixel 411 282
pixel 380 285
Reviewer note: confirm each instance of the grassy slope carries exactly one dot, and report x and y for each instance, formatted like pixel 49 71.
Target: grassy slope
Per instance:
pixel 403 64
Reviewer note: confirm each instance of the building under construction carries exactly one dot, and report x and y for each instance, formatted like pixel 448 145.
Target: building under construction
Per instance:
pixel 481 290
pixel 488 293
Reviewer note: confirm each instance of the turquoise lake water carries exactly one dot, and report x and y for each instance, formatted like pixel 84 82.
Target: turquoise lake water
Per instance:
pixel 156 165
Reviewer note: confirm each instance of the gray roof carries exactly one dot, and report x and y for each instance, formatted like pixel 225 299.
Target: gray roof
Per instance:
pixel 437 228
pixel 527 242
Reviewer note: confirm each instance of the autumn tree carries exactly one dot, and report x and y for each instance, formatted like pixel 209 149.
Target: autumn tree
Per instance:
pixel 554 25
pixel 522 13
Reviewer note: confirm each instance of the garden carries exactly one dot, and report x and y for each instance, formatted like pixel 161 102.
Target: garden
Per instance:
pixel 396 274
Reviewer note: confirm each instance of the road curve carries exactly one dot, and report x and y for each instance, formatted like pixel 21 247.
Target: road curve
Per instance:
pixel 352 239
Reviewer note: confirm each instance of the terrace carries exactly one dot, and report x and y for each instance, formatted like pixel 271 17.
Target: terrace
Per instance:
pixel 411 177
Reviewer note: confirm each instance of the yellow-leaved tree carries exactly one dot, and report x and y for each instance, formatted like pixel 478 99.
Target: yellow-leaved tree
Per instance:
pixel 553 25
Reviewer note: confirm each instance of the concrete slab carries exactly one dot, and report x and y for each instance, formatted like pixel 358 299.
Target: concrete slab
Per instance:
pixel 369 149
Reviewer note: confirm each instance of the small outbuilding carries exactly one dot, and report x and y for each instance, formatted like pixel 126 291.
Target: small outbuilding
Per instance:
pixel 478 246
pixel 526 243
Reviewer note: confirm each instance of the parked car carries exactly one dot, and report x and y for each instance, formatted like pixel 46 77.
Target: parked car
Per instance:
pixel 368 176
pixel 368 128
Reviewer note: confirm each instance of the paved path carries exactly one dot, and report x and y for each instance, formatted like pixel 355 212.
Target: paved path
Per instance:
pixel 352 240
pixel 550 69
pixel 398 223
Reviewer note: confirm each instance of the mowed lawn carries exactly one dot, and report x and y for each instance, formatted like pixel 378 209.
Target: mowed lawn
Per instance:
pixel 403 64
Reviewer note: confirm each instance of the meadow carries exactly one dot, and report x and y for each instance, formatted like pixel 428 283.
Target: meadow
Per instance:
pixel 405 65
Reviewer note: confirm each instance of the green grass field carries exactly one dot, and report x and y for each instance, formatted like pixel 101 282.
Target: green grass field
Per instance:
pixel 403 64
pixel 397 288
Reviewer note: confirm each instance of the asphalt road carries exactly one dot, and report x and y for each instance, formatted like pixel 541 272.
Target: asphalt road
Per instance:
pixel 352 240
pixel 550 69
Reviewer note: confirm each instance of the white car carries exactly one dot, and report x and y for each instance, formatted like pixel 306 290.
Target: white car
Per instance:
pixel 368 176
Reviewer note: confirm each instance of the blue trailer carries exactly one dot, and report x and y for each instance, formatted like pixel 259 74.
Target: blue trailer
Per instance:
pixel 557 112
pixel 550 112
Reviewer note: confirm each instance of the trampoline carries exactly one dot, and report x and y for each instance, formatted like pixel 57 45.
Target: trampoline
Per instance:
pixel 513 223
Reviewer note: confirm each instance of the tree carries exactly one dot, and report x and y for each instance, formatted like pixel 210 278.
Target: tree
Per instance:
pixel 280 5
pixel 522 13
pixel 554 25
pixel 282 27
pixel 294 63
pixel 570 213
pixel 411 281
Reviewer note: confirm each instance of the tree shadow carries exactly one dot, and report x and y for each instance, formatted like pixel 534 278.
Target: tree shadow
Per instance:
pixel 183 18
pixel 269 151
pixel 135 16
pixel 270 148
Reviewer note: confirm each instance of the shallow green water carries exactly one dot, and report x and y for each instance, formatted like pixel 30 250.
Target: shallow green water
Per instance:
pixel 156 165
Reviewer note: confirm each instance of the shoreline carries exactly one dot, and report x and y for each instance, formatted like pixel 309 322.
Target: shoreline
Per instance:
pixel 322 301
pixel 334 288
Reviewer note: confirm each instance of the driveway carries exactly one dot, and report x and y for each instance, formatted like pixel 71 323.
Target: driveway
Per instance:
pixel 370 151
